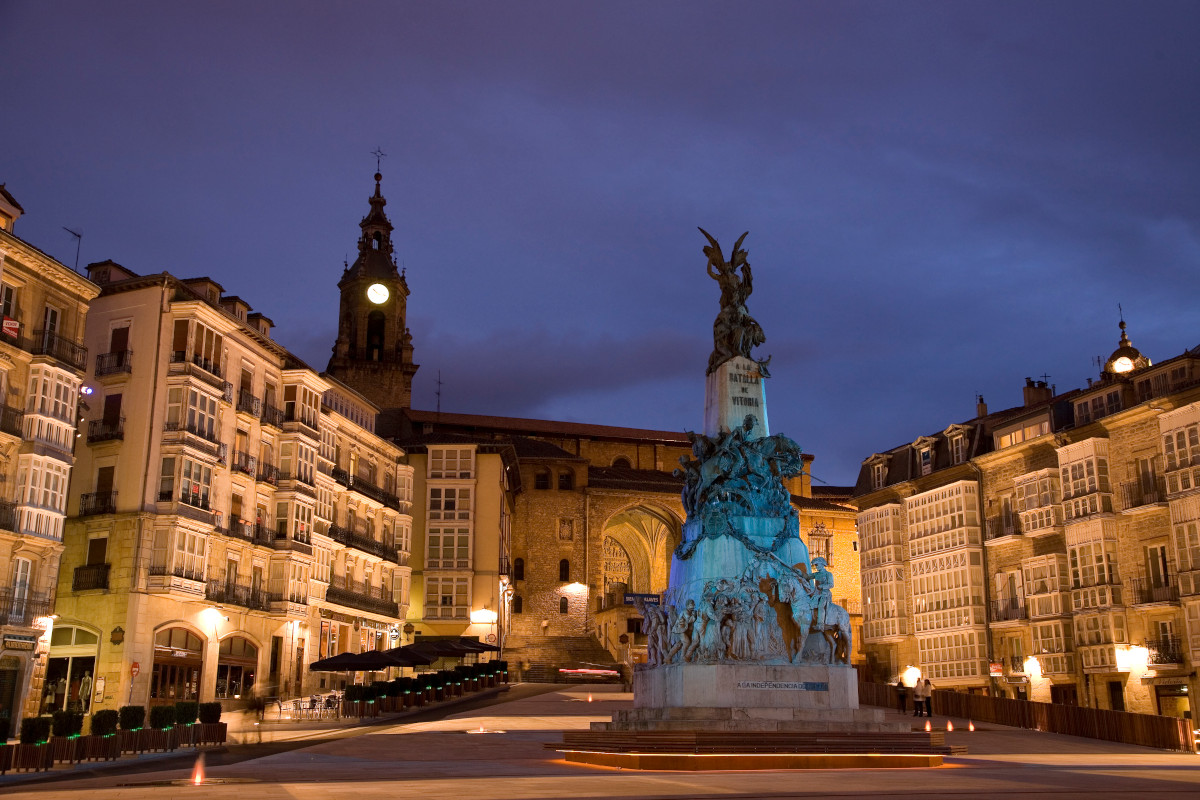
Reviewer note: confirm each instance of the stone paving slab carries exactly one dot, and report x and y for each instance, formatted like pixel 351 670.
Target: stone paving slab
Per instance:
pixel 439 759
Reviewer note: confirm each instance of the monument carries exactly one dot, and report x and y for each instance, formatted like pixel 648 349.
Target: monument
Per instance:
pixel 747 637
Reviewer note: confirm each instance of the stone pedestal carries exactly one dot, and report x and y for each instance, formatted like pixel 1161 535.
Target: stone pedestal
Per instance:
pixel 749 697
pixel 732 391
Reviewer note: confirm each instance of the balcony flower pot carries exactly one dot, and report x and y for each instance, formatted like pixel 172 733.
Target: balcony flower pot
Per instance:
pixel 210 733
pixel 33 757
pixel 100 748
pixel 184 734
pixel 65 749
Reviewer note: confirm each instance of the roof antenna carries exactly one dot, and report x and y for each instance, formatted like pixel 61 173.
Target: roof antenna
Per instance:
pixel 78 241
pixel 439 393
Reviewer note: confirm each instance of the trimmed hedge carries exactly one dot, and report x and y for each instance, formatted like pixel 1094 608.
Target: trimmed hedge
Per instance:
pixel 67 723
pixel 132 717
pixel 210 713
pixel 36 730
pixel 186 712
pixel 355 692
pixel 162 717
pixel 104 722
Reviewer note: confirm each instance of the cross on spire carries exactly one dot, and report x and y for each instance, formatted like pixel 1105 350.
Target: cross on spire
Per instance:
pixel 379 156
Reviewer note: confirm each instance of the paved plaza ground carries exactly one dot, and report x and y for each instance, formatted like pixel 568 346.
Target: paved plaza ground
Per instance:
pixel 449 758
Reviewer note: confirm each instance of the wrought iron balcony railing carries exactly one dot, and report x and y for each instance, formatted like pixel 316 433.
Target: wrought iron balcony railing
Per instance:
pixel 105 430
pixel 1008 609
pixel 250 532
pixel 998 527
pixel 360 596
pixel 243 462
pixel 10 420
pixel 188 573
pixel 1146 590
pixel 90 576
pixel 19 607
pixel 272 416
pixel 365 543
pixel 49 343
pixel 97 503
pixel 1136 494
pixel 110 363
pixel 237 594
pixel 1165 650
pixel 268 473
pixel 248 403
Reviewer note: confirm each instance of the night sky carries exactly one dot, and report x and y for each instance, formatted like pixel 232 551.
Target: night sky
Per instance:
pixel 942 198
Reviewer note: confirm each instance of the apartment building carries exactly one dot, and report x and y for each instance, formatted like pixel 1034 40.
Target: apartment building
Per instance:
pixel 1070 575
pixel 234 516
pixel 42 360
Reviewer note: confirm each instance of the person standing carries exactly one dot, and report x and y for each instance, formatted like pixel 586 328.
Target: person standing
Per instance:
pixel 927 693
pixel 901 696
pixel 918 698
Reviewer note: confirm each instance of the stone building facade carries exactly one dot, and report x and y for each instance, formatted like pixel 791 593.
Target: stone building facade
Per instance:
pixel 42 361
pixel 234 516
pixel 1050 556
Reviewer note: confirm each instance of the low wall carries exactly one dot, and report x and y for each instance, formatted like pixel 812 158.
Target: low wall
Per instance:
pixel 1167 733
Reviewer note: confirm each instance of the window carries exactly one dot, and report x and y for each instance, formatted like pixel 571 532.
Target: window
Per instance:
pixel 446 598
pixel 958 449
pixel 518 605
pixel 190 551
pixel 449 548
pixel 563 605
pixel 519 569
pixel 451 462
pixel 541 479
pixel 450 503
pixel 1094 563
pixel 926 458
pixel 198 344
pixel 566 480
pixel 877 475
pixel 198 415
pixel 195 480
pixel 22 580
pixel 41 495
pixel 8 301
pixel 564 570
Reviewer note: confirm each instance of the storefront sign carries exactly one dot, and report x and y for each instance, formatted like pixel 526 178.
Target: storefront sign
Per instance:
pixel 996 669
pixel 630 597
pixel 1165 680
pixel 16 641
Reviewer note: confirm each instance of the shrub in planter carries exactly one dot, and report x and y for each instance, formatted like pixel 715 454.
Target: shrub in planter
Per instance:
pixel 355 692
pixel 104 722
pixel 35 730
pixel 132 717
pixel 67 723
pixel 162 717
pixel 209 713
pixel 186 712
pixel 5 729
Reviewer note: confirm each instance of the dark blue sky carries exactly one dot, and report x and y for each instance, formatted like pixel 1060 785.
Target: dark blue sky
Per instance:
pixel 942 198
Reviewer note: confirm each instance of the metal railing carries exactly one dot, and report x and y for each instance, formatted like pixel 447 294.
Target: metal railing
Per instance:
pixel 181 357
pixel 49 343
pixel 8 515
pixel 1008 609
pixel 193 574
pixel 11 420
pixel 268 473
pixel 1135 494
pixel 21 608
pixel 1165 650
pixel 998 527
pixel 104 430
pixel 1016 665
pixel 361 596
pixel 350 538
pixel 248 403
pixel 97 503
pixel 243 462
pixel 237 594
pixel 365 487
pixel 1149 591
pixel 90 576
pixel 272 416
pixel 109 363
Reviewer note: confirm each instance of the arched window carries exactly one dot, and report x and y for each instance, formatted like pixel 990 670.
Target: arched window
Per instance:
pixel 375 326
pixel 566 479
pixel 563 606
pixel 518 605
pixel 622 462
pixel 564 570
pixel 541 479
pixel 237 661
pixel 519 569
pixel 178 661
pixel 376 240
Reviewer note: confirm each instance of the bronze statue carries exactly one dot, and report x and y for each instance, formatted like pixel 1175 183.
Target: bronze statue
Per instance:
pixel 735 333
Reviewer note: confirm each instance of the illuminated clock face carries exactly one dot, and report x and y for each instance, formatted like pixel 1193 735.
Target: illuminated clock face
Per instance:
pixel 1122 364
pixel 377 293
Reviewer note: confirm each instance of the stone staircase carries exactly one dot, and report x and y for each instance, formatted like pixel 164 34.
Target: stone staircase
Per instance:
pixel 539 657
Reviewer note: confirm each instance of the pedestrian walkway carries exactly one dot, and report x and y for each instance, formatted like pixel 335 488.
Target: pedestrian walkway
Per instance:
pixel 497 752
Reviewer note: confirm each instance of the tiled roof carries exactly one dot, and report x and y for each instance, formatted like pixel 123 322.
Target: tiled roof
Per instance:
pixel 542 427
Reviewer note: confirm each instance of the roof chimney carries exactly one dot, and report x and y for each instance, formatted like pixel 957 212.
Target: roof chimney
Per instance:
pixel 980 406
pixel 1036 392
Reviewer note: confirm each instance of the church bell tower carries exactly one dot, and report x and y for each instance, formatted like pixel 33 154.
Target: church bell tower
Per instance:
pixel 373 351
